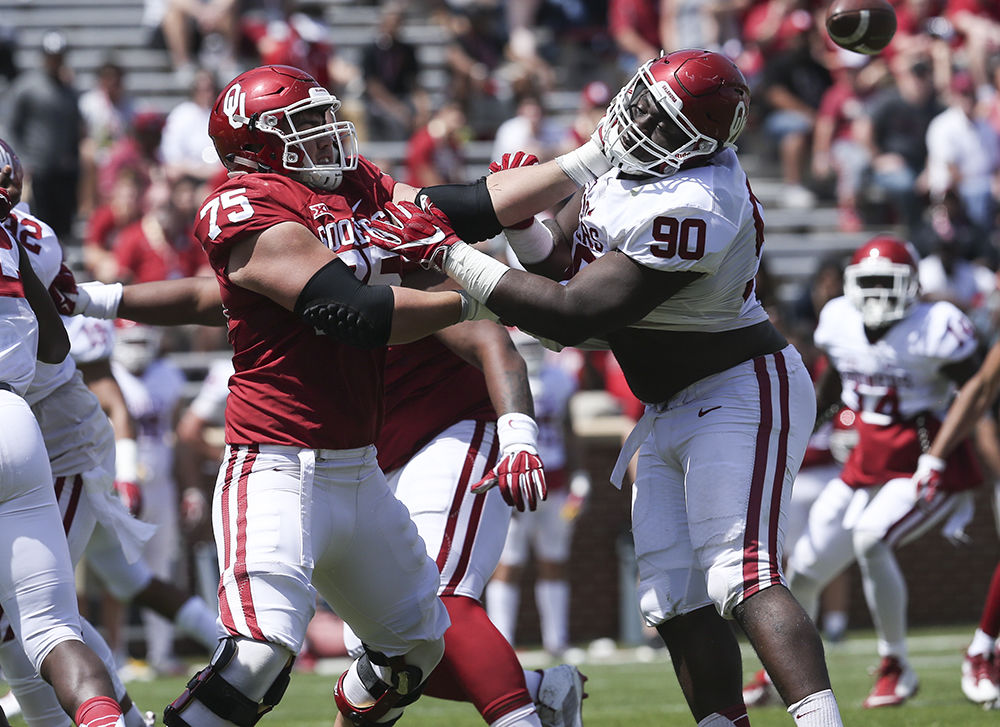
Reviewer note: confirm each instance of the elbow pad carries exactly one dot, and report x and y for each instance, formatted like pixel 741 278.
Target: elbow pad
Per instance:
pixel 337 304
pixel 469 207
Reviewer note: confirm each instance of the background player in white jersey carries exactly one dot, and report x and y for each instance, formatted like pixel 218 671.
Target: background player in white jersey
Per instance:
pixel 981 664
pixel 894 362
pixel 547 532
pixel 661 255
pixel 81 450
pixel 37 590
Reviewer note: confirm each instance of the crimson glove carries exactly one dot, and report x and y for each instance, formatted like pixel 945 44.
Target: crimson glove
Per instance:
pixel 927 479
pixel 519 473
pixel 130 493
pixel 418 235
pixel 64 291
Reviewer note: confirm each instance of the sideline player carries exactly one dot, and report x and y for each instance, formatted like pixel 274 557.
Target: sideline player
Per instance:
pixel 661 255
pixel 894 361
pixel 37 591
pixel 981 664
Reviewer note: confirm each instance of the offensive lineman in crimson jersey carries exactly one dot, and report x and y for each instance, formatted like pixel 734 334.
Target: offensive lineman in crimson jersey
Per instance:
pixel 304 409
pixel 660 254
pixel 895 362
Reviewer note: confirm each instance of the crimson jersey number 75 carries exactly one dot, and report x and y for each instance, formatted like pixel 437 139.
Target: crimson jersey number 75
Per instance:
pixel 227 200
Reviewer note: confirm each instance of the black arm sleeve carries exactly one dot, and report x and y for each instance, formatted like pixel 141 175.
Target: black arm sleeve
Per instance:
pixel 468 206
pixel 336 303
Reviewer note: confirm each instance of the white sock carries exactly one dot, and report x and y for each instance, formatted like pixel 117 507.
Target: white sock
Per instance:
pixel 502 600
pixel 552 598
pixel 817 710
pixel 720 720
pixel 197 620
pixel 982 644
pixel 533 680
pixel 525 716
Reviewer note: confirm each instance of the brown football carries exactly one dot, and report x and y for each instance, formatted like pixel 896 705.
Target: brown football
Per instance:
pixel 862 26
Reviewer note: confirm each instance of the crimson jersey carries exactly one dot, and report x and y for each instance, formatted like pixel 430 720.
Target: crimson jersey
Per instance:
pixel 427 389
pixel 291 385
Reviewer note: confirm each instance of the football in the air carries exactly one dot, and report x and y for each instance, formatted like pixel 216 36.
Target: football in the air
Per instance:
pixel 861 26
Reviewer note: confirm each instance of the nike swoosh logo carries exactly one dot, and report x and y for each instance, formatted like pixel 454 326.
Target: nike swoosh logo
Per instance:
pixel 706 409
pixel 803 714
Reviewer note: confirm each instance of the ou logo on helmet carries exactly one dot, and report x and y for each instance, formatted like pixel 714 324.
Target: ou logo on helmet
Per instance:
pixel 739 121
pixel 234 106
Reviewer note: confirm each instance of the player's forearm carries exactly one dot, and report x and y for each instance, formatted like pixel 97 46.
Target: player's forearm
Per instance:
pixel 417 314
pixel 507 382
pixel 971 402
pixel 525 191
pixel 173 302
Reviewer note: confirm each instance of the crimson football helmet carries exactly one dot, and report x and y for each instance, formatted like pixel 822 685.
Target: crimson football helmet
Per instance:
pixel 697 101
pixel 279 119
pixel 7 156
pixel 882 281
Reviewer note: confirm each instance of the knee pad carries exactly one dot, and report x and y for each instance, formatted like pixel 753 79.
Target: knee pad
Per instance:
pixel 240 669
pixel 382 701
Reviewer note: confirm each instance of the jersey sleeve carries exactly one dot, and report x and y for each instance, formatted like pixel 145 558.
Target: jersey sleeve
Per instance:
pixel 951 337
pixel 245 205
pixel 687 239
pixel 826 328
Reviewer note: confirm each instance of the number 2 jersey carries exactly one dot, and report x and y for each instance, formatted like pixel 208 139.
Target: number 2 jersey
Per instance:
pixel 896 387
pixel 703 220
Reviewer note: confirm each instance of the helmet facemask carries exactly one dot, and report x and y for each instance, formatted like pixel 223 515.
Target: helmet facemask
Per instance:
pixel 631 150
pixel 318 149
pixel 882 291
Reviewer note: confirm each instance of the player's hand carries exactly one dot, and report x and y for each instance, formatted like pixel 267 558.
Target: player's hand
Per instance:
pixel 7 200
pixel 513 161
pixel 64 291
pixel 927 479
pixel 519 474
pixel 419 235
pixel 579 489
pixel 194 507
pixel 130 493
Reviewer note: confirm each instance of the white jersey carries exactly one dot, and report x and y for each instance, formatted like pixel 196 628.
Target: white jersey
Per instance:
pixel 551 390
pixel 210 403
pixel 899 375
pixel 152 401
pixel 45 255
pixel 91 339
pixel 702 220
pixel 18 325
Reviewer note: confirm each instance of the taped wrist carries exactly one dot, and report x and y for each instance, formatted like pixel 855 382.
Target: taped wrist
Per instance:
pixel 477 272
pixel 532 244
pixel 585 163
pixel 516 430
pixel 468 207
pixel 337 304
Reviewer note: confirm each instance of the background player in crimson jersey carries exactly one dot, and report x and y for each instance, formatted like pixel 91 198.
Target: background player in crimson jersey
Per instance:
pixel 981 665
pixel 282 248
pixel 36 577
pixel 894 362
pixel 660 256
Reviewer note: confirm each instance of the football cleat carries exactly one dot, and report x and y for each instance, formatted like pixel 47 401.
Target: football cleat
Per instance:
pixel 979 678
pixel 895 682
pixel 759 691
pixel 560 697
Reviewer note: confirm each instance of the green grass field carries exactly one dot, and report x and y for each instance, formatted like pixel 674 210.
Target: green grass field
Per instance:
pixel 628 692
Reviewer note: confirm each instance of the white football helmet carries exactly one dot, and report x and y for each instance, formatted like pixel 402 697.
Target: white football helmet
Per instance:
pixel 136 345
pixel 882 280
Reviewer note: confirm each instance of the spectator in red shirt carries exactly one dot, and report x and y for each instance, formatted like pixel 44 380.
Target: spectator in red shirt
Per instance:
pixel 160 246
pixel 635 27
pixel 434 154
pixel 122 208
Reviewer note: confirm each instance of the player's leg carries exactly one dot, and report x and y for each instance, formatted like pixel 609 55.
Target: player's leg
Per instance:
pixel 980 667
pixel 135 582
pixel 503 593
pixel 551 538
pixel 373 570
pixel 464 534
pixel 735 509
pixel 37 591
pixel 891 520
pixel 264 498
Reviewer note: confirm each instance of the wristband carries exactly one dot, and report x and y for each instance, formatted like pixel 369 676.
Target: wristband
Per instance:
pixel 126 460
pixel 532 244
pixel 930 463
pixel 585 163
pixel 100 300
pixel 477 272
pixel 517 430
pixel 473 310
